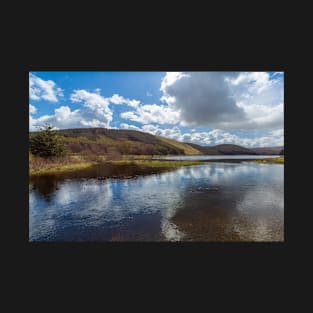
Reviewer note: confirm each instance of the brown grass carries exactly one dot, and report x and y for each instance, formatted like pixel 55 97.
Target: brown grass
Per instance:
pixel 188 150
pixel 38 165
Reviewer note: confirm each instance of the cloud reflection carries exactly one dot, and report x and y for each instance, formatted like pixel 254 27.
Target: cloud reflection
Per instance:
pixel 96 205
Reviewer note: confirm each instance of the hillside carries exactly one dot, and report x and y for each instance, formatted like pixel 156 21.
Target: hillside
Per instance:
pixel 102 141
pixel 224 149
pixel 188 149
pixel 121 141
pixel 229 149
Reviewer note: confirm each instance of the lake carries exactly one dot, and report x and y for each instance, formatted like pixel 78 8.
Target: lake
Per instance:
pixel 210 202
pixel 215 157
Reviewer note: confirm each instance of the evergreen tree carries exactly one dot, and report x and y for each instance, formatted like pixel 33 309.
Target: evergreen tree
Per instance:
pixel 46 143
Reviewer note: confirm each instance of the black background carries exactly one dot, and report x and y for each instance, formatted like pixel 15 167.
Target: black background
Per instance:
pixel 239 275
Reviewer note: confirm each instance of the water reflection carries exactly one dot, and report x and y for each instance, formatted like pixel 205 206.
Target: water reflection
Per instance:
pixel 45 186
pixel 211 202
pixel 215 157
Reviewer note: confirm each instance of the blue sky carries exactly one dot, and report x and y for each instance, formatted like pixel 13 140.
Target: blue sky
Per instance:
pixel 207 108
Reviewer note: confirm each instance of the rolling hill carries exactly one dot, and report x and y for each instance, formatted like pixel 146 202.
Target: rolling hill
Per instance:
pixel 188 149
pixel 101 140
pixel 121 141
pixel 224 149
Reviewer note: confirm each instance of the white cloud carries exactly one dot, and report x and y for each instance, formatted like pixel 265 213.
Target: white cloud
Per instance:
pixel 152 113
pixel 128 126
pixel 224 100
pixel 202 98
pixel 171 78
pixel 278 132
pixel 32 109
pixel 148 94
pixel 43 89
pixel 257 88
pixel 117 99
pixel 31 123
pixel 96 108
pixel 63 117
pixel 213 137
pixel 173 133
pixel 254 81
pixel 262 116
pixel 95 112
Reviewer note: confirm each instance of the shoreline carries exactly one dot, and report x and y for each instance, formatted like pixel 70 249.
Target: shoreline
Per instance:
pixel 141 163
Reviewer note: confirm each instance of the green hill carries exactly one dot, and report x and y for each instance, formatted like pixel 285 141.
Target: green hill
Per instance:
pixel 102 141
pixel 122 141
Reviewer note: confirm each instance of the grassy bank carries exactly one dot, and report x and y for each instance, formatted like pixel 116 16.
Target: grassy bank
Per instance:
pixel 60 169
pixel 41 166
pixel 279 160
pixel 72 163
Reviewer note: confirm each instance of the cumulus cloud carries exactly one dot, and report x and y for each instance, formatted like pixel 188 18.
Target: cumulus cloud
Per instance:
pixel 63 117
pixel 202 98
pixel 117 99
pixel 96 108
pixel 32 109
pixel 43 89
pixel 95 112
pixel 213 137
pixel 129 126
pixel 31 123
pixel 253 81
pixel 224 100
pixel 257 88
pixel 152 113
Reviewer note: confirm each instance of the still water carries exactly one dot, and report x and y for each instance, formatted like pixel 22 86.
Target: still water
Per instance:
pixel 216 157
pixel 209 202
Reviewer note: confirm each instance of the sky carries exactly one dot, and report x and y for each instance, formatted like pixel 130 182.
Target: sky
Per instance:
pixel 206 108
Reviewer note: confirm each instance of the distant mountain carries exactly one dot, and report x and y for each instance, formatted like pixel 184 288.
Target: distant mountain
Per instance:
pixel 269 150
pixel 224 149
pixel 230 149
pixel 122 141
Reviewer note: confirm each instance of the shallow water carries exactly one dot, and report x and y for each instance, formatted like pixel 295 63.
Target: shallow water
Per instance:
pixel 209 202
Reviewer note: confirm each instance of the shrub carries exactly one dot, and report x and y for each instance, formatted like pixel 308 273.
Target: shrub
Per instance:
pixel 113 154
